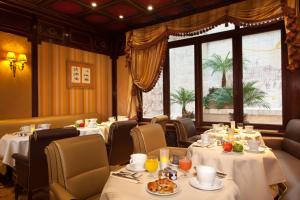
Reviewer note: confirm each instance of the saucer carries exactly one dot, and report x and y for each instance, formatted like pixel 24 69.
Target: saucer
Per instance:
pixel 217 185
pixel 259 150
pixel 130 168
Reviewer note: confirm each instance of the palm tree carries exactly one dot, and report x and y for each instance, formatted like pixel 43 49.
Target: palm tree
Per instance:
pixel 183 97
pixel 252 96
pixel 218 64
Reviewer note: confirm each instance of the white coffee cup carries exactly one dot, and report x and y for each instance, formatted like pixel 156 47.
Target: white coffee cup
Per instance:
pixel 138 160
pixel 206 175
pixel 253 145
pixel 204 138
pixel 92 124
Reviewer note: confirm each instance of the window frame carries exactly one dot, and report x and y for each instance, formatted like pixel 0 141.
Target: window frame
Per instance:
pixel 236 36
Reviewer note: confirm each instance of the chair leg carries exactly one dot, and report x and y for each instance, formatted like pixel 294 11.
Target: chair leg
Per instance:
pixel 17 191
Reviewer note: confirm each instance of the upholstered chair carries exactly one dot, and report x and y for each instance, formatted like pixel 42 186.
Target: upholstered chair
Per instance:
pixel 160 119
pixel 287 151
pixel 32 170
pixel 78 167
pixel 150 138
pixel 186 132
pixel 119 145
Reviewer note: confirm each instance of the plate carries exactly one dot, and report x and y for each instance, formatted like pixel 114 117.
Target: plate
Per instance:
pixel 249 132
pixel 260 150
pixel 217 185
pixel 201 144
pixel 176 190
pixel 130 168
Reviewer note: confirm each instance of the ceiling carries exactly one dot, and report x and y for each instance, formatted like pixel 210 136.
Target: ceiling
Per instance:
pixel 105 16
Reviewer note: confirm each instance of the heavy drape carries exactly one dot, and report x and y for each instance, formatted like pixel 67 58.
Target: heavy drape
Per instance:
pixel 56 99
pixel 146 47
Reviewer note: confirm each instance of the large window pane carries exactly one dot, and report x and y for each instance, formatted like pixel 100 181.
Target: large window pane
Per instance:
pixel 262 85
pixel 217 81
pixel 182 82
pixel 153 100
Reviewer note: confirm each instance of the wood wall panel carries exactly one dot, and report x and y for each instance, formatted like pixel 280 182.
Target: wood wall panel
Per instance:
pixel 15 92
pixel 122 85
pixel 54 96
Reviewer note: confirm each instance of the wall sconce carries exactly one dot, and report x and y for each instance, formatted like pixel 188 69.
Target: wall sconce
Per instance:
pixel 16 63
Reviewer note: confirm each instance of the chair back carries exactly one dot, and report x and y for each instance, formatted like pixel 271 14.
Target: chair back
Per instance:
pixel 38 170
pixel 185 128
pixel 291 141
pixel 148 138
pixel 79 165
pixel 120 142
pixel 160 119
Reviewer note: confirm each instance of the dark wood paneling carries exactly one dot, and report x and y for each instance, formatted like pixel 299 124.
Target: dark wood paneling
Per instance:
pixel 34 70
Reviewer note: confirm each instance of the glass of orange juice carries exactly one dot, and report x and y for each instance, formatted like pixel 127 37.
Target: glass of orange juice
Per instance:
pixel 185 165
pixel 151 165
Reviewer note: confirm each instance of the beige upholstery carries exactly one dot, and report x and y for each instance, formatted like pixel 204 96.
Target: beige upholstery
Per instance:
pixel 290 165
pixel 287 150
pixel 150 138
pixel 160 119
pixel 78 167
pixel 13 125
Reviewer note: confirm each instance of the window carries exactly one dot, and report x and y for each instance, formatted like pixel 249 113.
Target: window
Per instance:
pixel 217 81
pixel 262 92
pixel 153 100
pixel 225 74
pixel 182 82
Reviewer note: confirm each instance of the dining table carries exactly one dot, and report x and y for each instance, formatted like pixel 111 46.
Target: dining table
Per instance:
pixel 253 172
pixel 14 143
pixel 117 188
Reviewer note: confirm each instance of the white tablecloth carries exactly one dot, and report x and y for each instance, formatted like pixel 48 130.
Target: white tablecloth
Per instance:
pixel 252 172
pixel 119 189
pixel 10 144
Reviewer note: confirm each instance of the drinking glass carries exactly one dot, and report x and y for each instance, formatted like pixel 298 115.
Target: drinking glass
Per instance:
pixel 151 165
pixel 240 126
pixel 185 165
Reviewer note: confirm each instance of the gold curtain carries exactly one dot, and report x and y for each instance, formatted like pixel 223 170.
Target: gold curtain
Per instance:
pixel 146 47
pixel 54 96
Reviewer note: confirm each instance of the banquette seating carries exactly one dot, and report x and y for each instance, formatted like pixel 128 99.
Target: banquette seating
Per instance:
pixel 78 167
pixel 287 150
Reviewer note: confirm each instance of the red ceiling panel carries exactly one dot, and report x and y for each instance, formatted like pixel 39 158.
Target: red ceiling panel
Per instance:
pixel 154 3
pixel 67 7
pixel 173 11
pixel 122 9
pixel 97 19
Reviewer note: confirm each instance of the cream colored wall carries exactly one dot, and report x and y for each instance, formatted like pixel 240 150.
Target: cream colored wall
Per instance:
pixel 54 96
pixel 15 93
pixel 122 85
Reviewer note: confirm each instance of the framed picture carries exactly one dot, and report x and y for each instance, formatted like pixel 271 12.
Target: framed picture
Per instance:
pixel 80 75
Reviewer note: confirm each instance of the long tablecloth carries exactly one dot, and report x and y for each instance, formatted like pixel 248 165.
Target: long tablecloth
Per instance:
pixel 120 189
pixel 252 172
